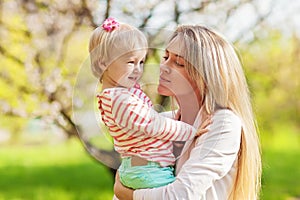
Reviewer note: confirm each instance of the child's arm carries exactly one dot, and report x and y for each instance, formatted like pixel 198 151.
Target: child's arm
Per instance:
pixel 131 112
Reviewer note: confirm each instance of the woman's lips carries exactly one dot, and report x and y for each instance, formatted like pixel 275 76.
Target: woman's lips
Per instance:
pixel 161 79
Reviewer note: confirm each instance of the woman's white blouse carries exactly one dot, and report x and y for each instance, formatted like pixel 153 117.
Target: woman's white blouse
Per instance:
pixel 206 168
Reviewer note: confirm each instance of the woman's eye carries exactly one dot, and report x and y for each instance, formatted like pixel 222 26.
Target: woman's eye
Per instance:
pixel 179 64
pixel 130 62
pixel 142 62
pixel 165 57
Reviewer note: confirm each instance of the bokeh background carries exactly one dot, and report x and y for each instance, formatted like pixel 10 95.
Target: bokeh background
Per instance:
pixel 44 49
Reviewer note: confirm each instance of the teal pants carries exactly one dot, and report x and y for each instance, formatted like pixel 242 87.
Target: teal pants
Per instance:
pixel 148 176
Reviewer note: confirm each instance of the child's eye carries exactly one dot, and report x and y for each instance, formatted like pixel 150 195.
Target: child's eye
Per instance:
pixel 142 62
pixel 130 62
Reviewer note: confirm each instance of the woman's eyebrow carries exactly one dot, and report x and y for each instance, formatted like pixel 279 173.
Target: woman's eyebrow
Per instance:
pixel 176 55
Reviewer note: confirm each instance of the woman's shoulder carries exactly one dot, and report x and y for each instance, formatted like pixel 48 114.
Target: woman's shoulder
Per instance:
pixel 226 117
pixel 226 113
pixel 225 129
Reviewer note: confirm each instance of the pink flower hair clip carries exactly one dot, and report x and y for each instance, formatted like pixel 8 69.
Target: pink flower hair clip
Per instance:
pixel 110 24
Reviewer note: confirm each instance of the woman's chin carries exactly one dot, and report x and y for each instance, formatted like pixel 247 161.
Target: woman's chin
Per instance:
pixel 164 91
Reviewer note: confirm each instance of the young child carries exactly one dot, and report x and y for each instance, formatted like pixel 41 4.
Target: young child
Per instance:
pixel 142 136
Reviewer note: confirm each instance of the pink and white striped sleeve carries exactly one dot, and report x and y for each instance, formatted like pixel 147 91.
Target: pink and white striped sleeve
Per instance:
pixel 131 112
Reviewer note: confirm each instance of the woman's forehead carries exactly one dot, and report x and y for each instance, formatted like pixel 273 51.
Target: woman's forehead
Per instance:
pixel 176 46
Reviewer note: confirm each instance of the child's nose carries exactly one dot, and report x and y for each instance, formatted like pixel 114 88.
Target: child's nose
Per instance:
pixel 138 69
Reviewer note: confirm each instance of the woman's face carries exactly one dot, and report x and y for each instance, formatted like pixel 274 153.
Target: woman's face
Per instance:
pixel 174 79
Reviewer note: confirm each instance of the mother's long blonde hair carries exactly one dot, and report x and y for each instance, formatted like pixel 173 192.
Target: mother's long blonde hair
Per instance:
pixel 214 65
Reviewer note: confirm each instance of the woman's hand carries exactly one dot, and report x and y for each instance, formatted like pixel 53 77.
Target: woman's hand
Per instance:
pixel 203 127
pixel 122 192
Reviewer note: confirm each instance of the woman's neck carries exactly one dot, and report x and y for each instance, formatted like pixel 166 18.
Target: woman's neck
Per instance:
pixel 189 107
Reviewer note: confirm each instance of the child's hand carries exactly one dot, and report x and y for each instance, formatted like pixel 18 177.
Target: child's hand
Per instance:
pixel 203 127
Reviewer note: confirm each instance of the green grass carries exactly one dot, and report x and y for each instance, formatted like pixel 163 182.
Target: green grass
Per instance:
pixel 66 172
pixel 281 164
pixel 281 175
pixel 52 172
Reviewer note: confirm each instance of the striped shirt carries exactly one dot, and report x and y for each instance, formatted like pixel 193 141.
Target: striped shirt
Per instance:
pixel 137 129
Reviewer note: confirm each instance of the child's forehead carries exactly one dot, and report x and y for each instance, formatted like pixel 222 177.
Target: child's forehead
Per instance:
pixel 139 53
pixel 136 54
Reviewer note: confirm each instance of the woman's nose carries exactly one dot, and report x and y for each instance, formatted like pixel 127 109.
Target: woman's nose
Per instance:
pixel 164 68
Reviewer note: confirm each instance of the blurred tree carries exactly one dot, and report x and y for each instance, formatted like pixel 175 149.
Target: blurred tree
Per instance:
pixel 34 80
pixel 272 67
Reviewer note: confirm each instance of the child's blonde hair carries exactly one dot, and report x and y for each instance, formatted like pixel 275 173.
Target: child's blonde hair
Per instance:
pixel 106 46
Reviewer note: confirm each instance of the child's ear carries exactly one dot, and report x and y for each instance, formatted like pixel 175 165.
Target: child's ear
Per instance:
pixel 98 68
pixel 102 65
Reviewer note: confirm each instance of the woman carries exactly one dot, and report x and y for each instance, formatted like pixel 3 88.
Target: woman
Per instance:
pixel 202 71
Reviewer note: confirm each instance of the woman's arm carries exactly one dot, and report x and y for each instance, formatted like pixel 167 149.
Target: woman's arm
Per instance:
pixel 210 160
pixel 122 192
